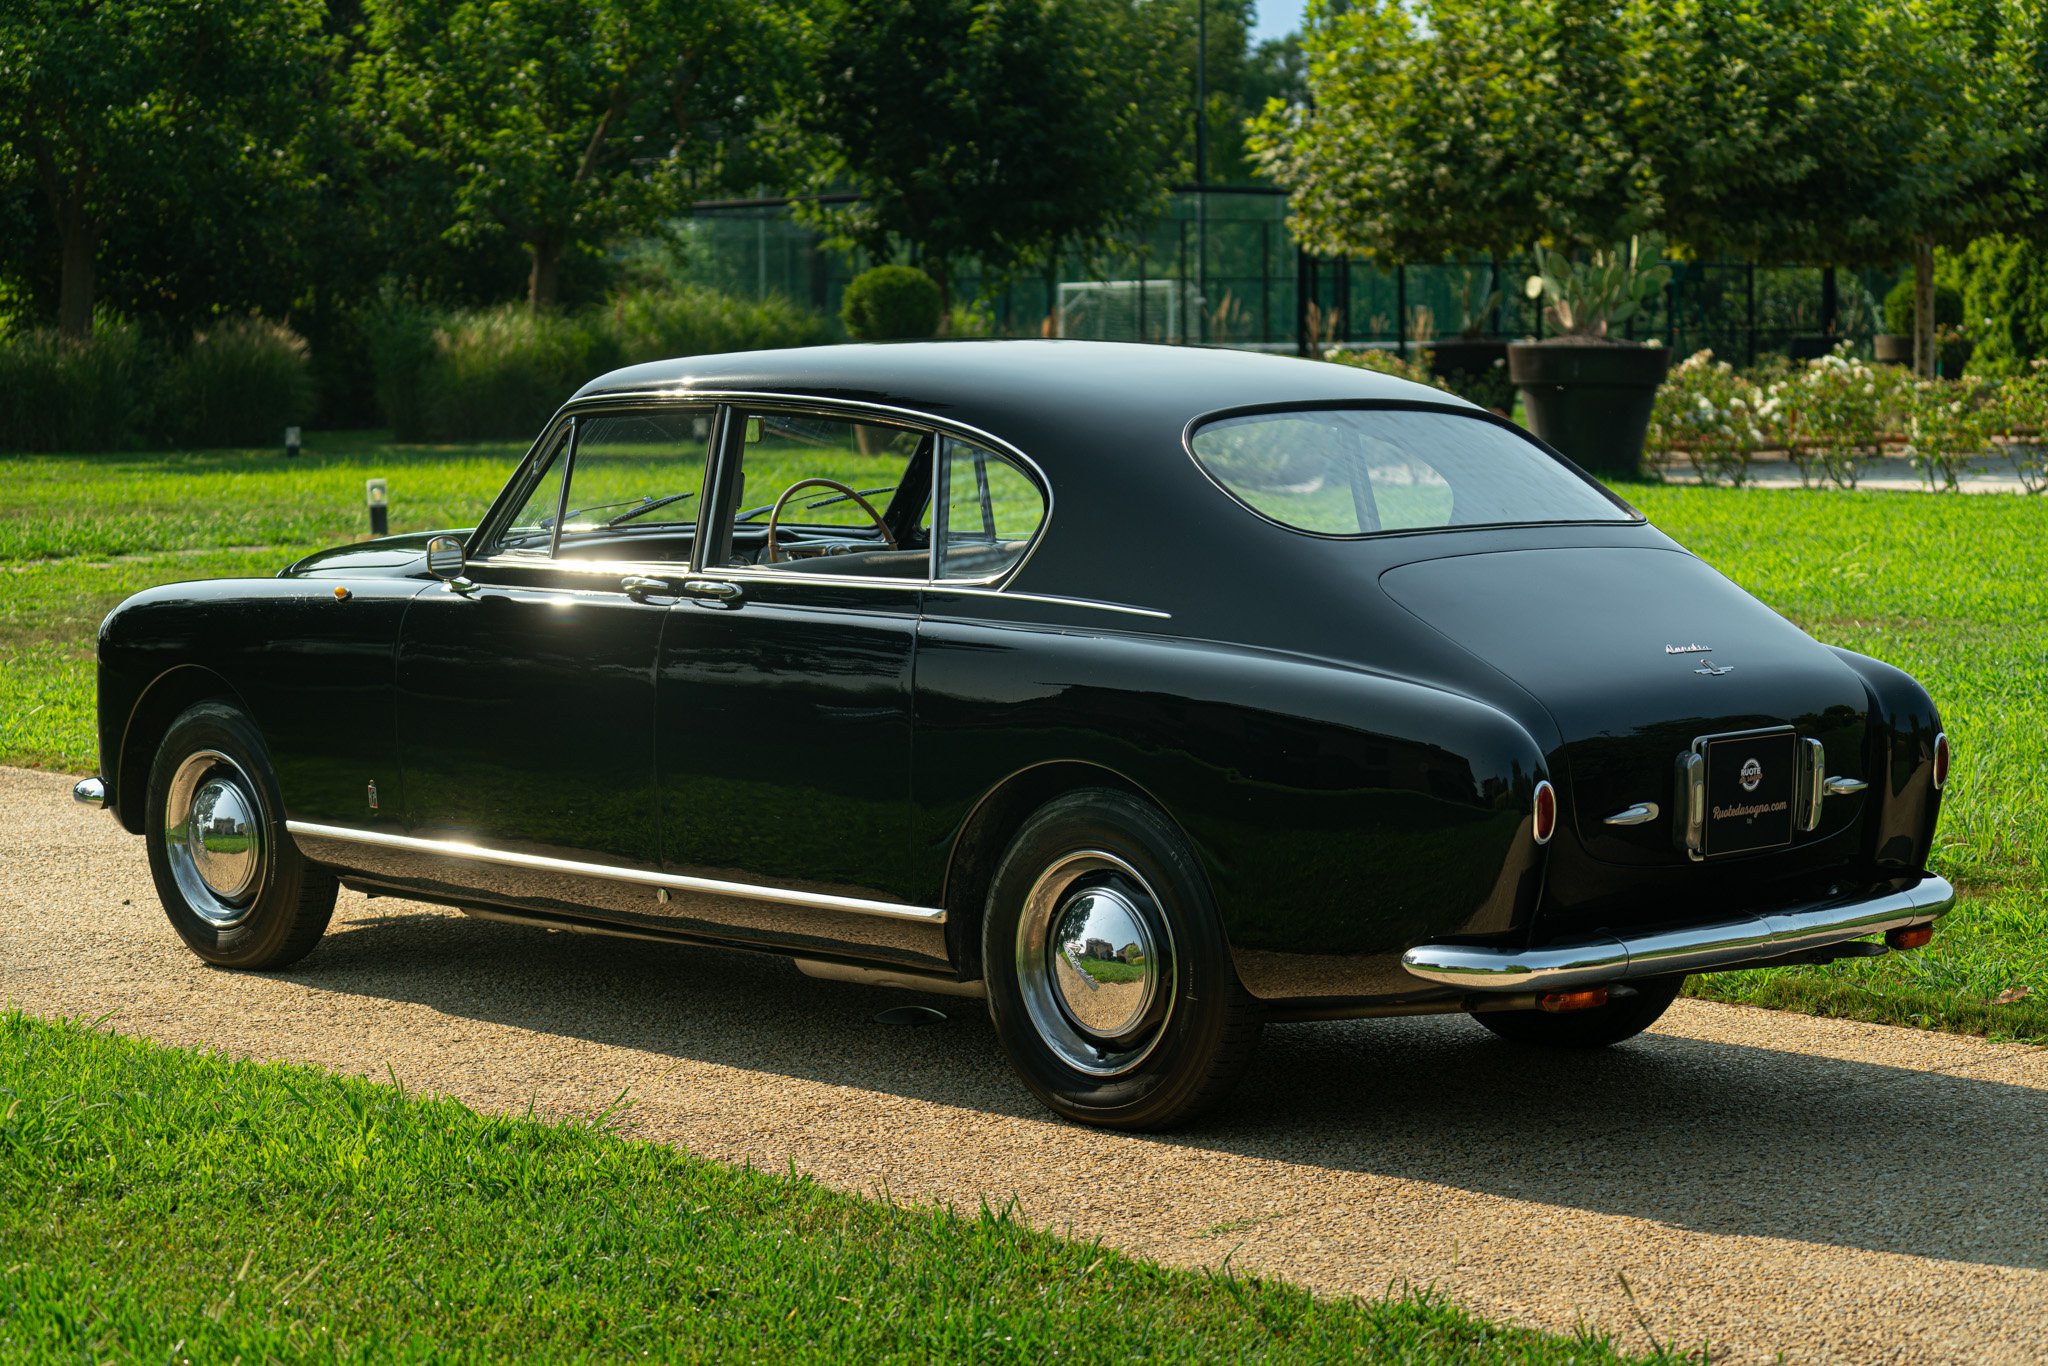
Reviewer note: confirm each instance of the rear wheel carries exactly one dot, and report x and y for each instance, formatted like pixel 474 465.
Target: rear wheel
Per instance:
pixel 236 889
pixel 1621 1018
pixel 1109 976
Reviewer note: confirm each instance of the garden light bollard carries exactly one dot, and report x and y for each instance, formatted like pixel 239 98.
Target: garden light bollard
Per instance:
pixel 380 507
pixel 291 442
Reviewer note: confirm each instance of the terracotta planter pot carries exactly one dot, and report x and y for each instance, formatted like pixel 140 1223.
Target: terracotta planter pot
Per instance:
pixel 1591 400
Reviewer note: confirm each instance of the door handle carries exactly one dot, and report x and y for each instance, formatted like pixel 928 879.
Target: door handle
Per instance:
pixel 639 587
pixel 717 590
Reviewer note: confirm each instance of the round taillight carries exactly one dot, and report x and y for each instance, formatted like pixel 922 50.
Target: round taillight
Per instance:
pixel 1940 760
pixel 1544 824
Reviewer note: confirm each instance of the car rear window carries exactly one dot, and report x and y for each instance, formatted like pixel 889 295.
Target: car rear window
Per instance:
pixel 1356 472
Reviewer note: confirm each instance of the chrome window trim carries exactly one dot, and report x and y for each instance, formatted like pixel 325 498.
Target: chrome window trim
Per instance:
pixel 780 896
pixel 744 398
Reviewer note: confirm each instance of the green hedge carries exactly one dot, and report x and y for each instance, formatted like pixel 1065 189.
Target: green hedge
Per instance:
pixel 239 383
pixel 499 372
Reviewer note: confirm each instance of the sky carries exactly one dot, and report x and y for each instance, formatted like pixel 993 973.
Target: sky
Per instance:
pixel 1278 18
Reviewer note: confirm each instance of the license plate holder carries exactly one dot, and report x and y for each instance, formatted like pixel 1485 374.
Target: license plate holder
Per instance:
pixel 1751 784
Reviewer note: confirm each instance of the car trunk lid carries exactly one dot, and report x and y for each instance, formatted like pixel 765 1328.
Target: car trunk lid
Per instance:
pixel 1636 653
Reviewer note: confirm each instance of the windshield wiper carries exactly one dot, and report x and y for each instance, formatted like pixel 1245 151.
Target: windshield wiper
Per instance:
pixel 649 506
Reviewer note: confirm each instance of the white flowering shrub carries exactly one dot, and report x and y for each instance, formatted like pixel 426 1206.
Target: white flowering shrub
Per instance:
pixel 1715 415
pixel 1948 423
pixel 2020 415
pixel 1836 413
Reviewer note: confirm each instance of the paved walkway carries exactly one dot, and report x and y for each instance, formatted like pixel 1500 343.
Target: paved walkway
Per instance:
pixel 1894 473
pixel 1772 1183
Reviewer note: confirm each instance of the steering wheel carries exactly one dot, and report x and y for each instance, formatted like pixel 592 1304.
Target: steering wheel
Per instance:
pixel 774 552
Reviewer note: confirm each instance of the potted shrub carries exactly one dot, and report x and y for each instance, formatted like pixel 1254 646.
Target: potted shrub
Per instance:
pixel 1474 363
pixel 1894 345
pixel 1585 392
pixel 892 303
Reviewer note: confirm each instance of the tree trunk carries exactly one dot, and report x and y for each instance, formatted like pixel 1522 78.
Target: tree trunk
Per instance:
pixel 545 279
pixel 74 292
pixel 1923 307
pixel 943 278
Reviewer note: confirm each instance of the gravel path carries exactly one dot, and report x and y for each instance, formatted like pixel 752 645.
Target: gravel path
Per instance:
pixel 1770 1183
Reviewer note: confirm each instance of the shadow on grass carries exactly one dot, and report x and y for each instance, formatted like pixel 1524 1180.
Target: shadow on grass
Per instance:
pixel 1715 1137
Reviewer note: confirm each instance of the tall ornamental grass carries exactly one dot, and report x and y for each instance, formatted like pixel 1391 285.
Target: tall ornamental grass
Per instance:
pixel 240 383
pixel 66 394
pixel 464 375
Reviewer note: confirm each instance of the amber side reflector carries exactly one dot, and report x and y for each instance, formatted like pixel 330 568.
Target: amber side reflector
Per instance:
pixel 1544 821
pixel 341 594
pixel 1557 1002
pixel 1915 937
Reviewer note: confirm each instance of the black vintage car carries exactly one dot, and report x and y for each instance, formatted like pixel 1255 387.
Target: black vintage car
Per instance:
pixel 1150 693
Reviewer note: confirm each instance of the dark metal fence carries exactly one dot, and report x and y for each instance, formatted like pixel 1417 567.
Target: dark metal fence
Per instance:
pixel 1220 268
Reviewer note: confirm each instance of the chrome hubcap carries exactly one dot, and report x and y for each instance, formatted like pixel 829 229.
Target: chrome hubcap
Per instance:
pixel 1095 963
pixel 213 834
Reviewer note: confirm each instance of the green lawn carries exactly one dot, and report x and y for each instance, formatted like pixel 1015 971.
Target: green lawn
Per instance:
pixel 1954 590
pixel 161 1204
pixel 1948 587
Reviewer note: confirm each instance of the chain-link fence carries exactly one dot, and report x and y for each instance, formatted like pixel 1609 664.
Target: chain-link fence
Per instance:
pixel 1220 268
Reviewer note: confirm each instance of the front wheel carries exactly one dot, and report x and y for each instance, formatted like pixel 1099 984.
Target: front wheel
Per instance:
pixel 235 887
pixel 1109 976
pixel 1621 1018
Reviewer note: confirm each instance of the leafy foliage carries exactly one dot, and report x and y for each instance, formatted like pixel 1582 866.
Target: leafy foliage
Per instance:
pixel 554 125
pixel 66 393
pixel 1458 127
pixel 1898 306
pixel 996 131
pixel 2003 281
pixel 157 119
pixel 888 303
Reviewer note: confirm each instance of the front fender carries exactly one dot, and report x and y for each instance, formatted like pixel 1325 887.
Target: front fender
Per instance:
pixel 311 665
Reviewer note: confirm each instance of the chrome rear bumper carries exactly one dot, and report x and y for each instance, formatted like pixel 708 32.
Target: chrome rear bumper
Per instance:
pixel 89 792
pixel 1752 939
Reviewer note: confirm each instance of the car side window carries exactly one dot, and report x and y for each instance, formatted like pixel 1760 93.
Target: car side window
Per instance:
pixel 531 532
pixel 634 481
pixel 990 511
pixel 830 495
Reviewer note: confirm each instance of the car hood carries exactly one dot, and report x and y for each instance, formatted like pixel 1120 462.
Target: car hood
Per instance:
pixel 1634 653
pixel 395 557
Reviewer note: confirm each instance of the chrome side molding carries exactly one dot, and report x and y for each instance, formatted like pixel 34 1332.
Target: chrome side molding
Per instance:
pixel 1694 948
pixel 476 853
pixel 89 792
pixel 1842 787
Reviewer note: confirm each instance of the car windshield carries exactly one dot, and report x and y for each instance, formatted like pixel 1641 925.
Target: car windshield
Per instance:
pixel 1354 472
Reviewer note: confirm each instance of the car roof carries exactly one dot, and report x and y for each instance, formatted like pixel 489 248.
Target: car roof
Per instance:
pixel 993 385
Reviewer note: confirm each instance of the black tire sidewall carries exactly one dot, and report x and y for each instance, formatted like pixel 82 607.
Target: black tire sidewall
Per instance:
pixel 261 937
pixel 1170 1083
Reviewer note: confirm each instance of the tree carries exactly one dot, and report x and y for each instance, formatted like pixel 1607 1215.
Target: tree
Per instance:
pixel 1969 134
pixel 1002 130
pixel 1458 126
pixel 126 115
pixel 557 125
